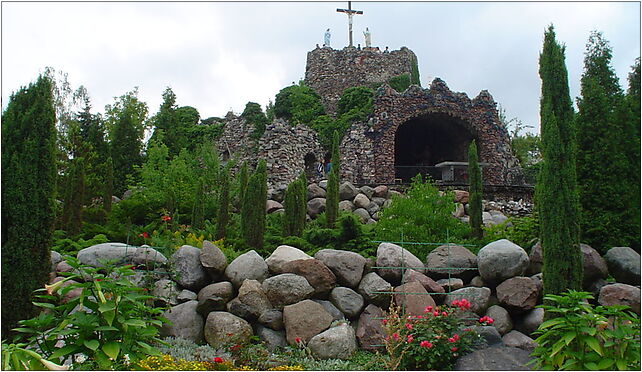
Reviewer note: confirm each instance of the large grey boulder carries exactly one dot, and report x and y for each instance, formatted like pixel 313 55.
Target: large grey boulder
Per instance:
pixel 367 191
pixel 346 205
pixel 489 334
pixel 222 328
pixel 273 319
pixel 452 259
pixel 536 260
pixel 282 255
pixel 500 260
pixel 498 358
pixel 347 300
pixel 186 295
pixel 185 322
pixel 431 286
pixel 286 289
pixel 594 265
pixel 305 320
pixel 623 264
pixel 479 298
pixel 315 191
pixel 620 294
pixel 320 277
pixel 370 332
pixel 501 319
pixel 413 297
pixel 347 266
pixel 272 339
pixel 451 284
pixel 347 191
pixel 213 259
pixel 373 208
pixel 251 293
pixel 373 288
pixel 519 340
pixel 166 292
pixel 246 266
pixel 331 309
pixel 272 206
pixel 214 297
pixel 187 269
pixel 335 343
pixel 392 256
pixel 316 206
pixel 120 254
pixel 518 293
pixel 529 322
pixel 363 214
pixel 361 201
pixel 381 191
pixel 56 258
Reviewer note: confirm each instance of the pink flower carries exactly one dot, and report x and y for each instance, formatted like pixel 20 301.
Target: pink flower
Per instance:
pixel 456 337
pixel 420 317
pixel 455 303
pixel 409 326
pixel 395 336
pixel 453 349
pixel 218 360
pixel 435 313
pixel 444 313
pixel 385 321
pixel 425 344
pixel 464 304
pixel 486 319
pixel 452 339
pixel 410 339
pixel 166 218
pixel 297 340
pixel 427 309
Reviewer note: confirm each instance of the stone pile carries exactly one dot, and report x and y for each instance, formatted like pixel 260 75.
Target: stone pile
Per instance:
pixel 333 301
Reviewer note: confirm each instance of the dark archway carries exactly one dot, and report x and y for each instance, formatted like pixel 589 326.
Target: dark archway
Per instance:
pixel 311 163
pixel 423 142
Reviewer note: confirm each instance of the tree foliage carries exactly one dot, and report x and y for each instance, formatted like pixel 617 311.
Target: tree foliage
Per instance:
pixel 28 187
pixel 253 208
pixel 298 104
pixel 556 190
pixel 295 208
pixel 253 114
pixel 334 178
pixel 223 205
pixel 475 200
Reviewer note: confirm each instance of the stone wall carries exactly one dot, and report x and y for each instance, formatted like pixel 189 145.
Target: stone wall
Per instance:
pixel 330 71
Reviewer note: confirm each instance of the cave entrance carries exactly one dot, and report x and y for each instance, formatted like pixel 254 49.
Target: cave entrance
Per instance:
pixel 310 161
pixel 423 142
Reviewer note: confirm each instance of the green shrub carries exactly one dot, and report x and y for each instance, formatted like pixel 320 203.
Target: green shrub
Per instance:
pixel 298 104
pixel 400 82
pixel 66 246
pixel 583 337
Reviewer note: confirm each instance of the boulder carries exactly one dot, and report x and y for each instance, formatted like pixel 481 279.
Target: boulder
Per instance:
pixel 489 334
pixel 460 196
pixel 518 294
pixel 479 298
pixel 460 211
pixel 499 358
pixel 477 282
pixel 305 320
pixel 286 289
pixel 594 265
pixel 530 321
pixel 121 254
pixel 323 184
pixel 379 201
pixel 501 319
pixel 316 206
pixel 453 259
pixel 372 208
pixel 277 193
pixel 213 259
pixel 64 267
pixel 498 217
pixel 272 206
pixel 538 279
pixel 251 294
pixel 186 295
pixel 487 219
pixel 346 205
pixel 236 307
pixel 222 328
pixel 451 284
pixel 347 300
pixel 519 340
pixel 283 254
pixel 246 266
pixel 431 286
pixel 347 266
pixel 335 343
pixel 620 294
pixel 166 292
pixel 413 297
pixel 214 297
pixel 185 322
pixel 273 319
pixel 331 309
pixel 70 295
pixel 370 330
pixel 56 258
pixel 380 191
pixel 315 191
pixel 500 260
pixel 363 214
pixel 318 275
pixel 367 191
pixel 361 201
pixel 187 269
pixel 347 191
pixel 372 288
pixel 536 260
pixel 390 256
pixel 271 339
pixel 623 264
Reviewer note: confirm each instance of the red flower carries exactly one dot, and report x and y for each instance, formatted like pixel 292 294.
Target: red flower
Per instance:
pixel 452 339
pixel 435 313
pixel 409 326
pixel 426 344
pixel 453 349
pixel 297 340
pixel 410 339
pixel 385 321
pixel 486 319
pixel 166 218
pixel 144 234
pixel 420 317
pixel 395 336
pixel 235 347
pixel 427 309
pixel 444 313
pixel 456 337
pixel 218 360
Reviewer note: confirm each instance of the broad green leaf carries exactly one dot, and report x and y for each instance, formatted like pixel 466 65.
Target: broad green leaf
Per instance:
pixel 65 350
pixel 92 344
pixel 550 323
pixel 605 363
pixel 44 304
pixel 25 330
pixel 621 365
pixel 135 323
pixel 106 328
pixel 593 344
pixel 589 330
pixel 112 348
pixel 591 366
pixel 557 347
pixel 569 336
pixel 109 306
pixel 109 316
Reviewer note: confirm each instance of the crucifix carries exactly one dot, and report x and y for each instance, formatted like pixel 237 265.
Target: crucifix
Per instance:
pixel 350 12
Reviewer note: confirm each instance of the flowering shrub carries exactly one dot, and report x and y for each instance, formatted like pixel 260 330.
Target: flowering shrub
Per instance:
pixel 431 341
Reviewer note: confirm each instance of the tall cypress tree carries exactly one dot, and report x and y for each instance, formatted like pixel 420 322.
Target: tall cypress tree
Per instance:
pixel 608 160
pixel 28 187
pixel 253 208
pixel 475 199
pixel 332 195
pixel 109 184
pixel 295 208
pixel 243 180
pixel 223 205
pixel 556 189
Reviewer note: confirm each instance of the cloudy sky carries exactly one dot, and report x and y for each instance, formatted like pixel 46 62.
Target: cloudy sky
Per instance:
pixel 218 56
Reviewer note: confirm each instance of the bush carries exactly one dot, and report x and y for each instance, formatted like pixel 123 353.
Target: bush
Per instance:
pixel 581 337
pixel 298 104
pixel 66 246
pixel 400 82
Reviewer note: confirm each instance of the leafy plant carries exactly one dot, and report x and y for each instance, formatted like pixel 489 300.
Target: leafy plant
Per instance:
pixel 16 357
pixel 581 336
pixel 71 247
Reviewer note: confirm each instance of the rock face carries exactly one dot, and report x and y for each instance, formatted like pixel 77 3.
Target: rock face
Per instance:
pixel 530 321
pixel 451 284
pixel 501 317
pixel 348 301
pixel 361 201
pixel 413 297
pixel 519 340
pixel 392 255
pixel 246 266
pixel 370 329
pixel 594 265
pixel 214 297
pixel 273 319
pixel 251 294
pixel 371 288
pixel 286 289
pixel 272 339
pixel 282 255
pixel 213 259
pixel 305 320
pixel 500 260
pixel 121 253
pixel 320 277
pixel 335 343
pixel 187 269
pixel 347 191
pixel 536 260
pixel 479 298
pixel 624 264
pixel 272 206
pixel 166 291
pixel 316 206
pixel 453 259
pixel 331 309
pixel 185 322
pixel 518 293
pixel 347 266
pixel 620 294
pixel 315 191
pixel 430 285
pixel 502 358
pixel 223 328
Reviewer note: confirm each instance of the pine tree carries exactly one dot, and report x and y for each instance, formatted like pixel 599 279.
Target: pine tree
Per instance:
pixel 223 205
pixel 475 199
pixel 556 190
pixel 332 195
pixel 28 187
pixel 109 184
pixel 253 208
pixel 243 180
pixel 295 208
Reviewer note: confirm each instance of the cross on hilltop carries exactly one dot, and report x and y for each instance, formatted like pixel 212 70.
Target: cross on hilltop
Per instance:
pixel 350 12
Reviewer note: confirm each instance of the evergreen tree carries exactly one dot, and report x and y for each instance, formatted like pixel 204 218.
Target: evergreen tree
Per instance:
pixel 608 161
pixel 167 121
pixel 253 208
pixel 475 199
pixel 295 209
pixel 223 205
pixel 253 114
pixel 198 211
pixel 28 187
pixel 92 132
pixel 332 195
pixel 109 184
pixel 243 180
pixel 556 190
pixel 303 200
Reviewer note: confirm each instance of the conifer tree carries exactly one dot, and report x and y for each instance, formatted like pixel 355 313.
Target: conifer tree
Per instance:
pixel 243 180
pixel 223 205
pixel 295 209
pixel 332 195
pixel 556 190
pixel 253 208
pixel 109 184
pixel 475 199
pixel 608 160
pixel 28 187
pixel 198 211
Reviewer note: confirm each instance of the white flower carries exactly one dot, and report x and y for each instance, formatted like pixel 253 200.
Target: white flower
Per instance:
pixel 81 358
pixel 126 359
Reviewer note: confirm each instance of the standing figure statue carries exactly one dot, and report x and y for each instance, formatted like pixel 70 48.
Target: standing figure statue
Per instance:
pixel 366 34
pixel 326 38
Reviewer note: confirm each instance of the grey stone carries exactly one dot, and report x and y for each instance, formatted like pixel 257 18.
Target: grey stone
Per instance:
pixel 367 191
pixel 282 255
pixel 536 260
pixel 323 184
pixel 594 265
pixel 501 319
pixel 413 297
pixel 335 343
pixel 286 289
pixel 57 258
pixel 236 307
pixel 620 294
pixel 453 259
pixel 223 290
pixel 489 334
pixel 530 321
pixel 502 358
pixel 623 264
pixel 346 205
pixel 331 309
pixel 185 322
pixel 120 254
pixel 451 284
pixel 519 340
pixel 460 211
pixel 498 217
pixel 361 201
pixel 305 320
pixel 391 256
pixel 272 318
pixel 347 300
pixel 477 282
pixel 186 295
pixel 347 266
pixel 379 201
pixel 272 206
pixel 347 191
pixel 372 208
pixel 246 266
pixel 314 191
pixel 188 271
pixel 371 288
pixel 500 260
pixel 271 338
pixel 316 206
pixel 479 298
pixel 166 292
pixel 320 277
pixel 251 294
pixel 363 214
pixel 223 328
pixel 213 259
pixel 381 191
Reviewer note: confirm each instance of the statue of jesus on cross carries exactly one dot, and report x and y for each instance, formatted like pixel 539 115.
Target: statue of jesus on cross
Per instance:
pixel 350 12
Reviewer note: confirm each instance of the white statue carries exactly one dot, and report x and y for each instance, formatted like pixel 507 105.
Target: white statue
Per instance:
pixel 326 38
pixel 366 34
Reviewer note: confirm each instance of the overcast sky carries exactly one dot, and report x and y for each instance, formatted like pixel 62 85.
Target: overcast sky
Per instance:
pixel 218 56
